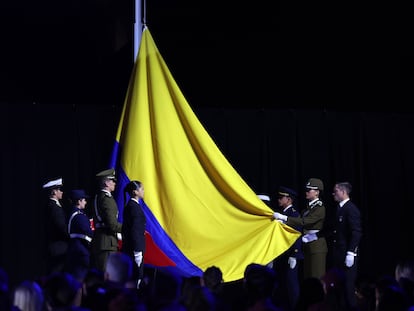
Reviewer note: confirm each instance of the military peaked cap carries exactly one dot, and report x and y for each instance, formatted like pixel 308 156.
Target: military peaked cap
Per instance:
pixel 287 192
pixel 56 183
pixel 107 174
pixel 315 184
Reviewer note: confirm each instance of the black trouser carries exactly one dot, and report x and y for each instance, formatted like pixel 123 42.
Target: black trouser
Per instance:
pixel 350 274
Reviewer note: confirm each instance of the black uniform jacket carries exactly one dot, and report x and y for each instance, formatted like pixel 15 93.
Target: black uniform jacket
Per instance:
pixel 56 230
pixel 347 231
pixel 133 228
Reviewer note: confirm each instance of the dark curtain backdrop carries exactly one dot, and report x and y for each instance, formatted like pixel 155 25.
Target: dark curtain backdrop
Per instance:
pixel 268 147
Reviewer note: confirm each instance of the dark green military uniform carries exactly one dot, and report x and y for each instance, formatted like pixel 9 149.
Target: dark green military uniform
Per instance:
pixel 312 221
pixel 314 252
pixel 106 223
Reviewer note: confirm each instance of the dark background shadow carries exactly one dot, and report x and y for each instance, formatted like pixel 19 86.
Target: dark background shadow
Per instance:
pixel 278 53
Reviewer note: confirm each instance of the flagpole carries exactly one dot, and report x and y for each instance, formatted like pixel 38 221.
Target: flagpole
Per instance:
pixel 137 27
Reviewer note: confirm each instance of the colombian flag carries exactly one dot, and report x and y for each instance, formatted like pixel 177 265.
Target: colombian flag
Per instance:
pixel 199 211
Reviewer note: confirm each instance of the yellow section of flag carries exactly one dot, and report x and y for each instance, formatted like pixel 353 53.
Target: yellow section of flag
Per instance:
pixel 197 197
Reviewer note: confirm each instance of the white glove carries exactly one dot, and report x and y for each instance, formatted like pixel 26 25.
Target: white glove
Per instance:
pixel 119 236
pixel 349 259
pixel 279 216
pixel 292 262
pixel 138 258
pixel 309 237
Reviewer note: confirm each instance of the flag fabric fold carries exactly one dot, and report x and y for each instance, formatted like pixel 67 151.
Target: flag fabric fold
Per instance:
pixel 199 210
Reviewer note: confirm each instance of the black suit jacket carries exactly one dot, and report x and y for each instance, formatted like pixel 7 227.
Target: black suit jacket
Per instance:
pixel 133 228
pixel 347 231
pixel 56 230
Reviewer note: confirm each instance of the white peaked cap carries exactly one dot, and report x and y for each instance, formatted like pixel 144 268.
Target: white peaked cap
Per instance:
pixel 263 197
pixel 53 183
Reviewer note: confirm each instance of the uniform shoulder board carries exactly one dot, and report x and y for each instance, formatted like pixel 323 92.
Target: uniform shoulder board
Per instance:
pixel 108 194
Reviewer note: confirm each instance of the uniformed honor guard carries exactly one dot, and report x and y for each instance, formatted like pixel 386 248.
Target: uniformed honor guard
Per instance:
pixel 311 220
pixel 288 264
pixel 105 216
pixel 346 237
pixel 80 233
pixel 56 231
pixel 133 228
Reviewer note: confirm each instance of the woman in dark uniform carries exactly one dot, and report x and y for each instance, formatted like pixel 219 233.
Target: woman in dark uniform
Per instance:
pixel 56 231
pixel 133 228
pixel 80 233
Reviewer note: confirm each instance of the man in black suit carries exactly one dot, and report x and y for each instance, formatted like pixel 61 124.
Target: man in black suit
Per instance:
pixel 346 237
pixel 56 230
